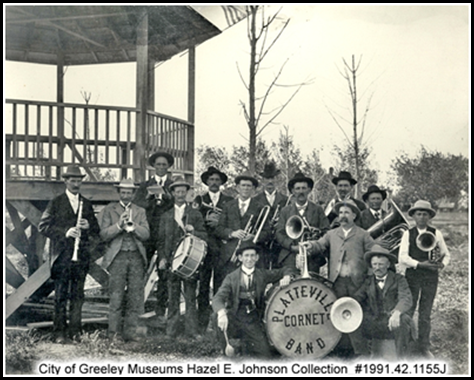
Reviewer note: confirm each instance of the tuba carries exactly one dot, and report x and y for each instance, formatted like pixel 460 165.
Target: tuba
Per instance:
pixel 390 229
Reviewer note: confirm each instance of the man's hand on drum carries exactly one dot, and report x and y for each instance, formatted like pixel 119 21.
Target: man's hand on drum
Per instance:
pixel 285 280
pixel 163 264
pixel 222 321
pixel 189 229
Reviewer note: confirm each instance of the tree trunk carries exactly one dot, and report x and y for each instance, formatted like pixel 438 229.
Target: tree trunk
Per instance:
pixel 252 123
pixel 356 143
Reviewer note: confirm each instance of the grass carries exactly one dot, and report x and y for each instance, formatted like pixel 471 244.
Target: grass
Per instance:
pixel 449 335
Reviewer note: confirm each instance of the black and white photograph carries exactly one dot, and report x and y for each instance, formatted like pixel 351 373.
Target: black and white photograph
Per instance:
pixel 234 190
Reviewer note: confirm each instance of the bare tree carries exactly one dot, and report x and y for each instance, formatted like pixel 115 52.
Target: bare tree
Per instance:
pixel 357 142
pixel 256 112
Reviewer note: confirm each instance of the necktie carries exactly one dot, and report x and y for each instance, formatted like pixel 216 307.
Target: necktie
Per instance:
pixel 377 215
pixel 301 209
pixel 242 209
pixel 381 280
pixel 161 182
pixel 249 281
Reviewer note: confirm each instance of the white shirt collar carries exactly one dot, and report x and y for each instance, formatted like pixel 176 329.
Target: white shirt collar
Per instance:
pixel 71 196
pixel 124 205
pixel 215 196
pixel 420 231
pixel 158 178
pixel 346 232
pixel 247 271
pixel 270 195
pixel 383 278
pixel 180 208
pixel 246 203
pixel 376 211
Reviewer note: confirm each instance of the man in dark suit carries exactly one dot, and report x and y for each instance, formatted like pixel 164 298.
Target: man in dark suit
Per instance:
pixel 175 223
pixel 374 197
pixel 276 200
pixel 344 184
pixel 300 187
pixel 124 227
pixel 386 300
pixel 212 204
pixel 240 304
pixel 155 197
pixel 69 222
pixel 232 222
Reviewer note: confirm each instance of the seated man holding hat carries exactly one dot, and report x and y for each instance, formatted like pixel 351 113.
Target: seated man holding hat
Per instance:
pixel 422 265
pixel 240 305
pixel 386 299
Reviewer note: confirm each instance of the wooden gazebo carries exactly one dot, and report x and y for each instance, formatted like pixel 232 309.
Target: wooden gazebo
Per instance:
pixel 42 137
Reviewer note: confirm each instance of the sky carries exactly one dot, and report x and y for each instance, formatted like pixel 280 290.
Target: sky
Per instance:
pixel 415 66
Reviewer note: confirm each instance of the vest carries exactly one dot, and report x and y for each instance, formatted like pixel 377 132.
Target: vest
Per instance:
pixel 413 251
pixel 379 300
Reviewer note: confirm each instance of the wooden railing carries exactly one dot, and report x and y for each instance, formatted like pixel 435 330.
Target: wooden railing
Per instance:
pixel 42 137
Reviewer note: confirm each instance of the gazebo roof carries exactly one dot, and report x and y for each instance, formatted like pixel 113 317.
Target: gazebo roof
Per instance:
pixel 100 34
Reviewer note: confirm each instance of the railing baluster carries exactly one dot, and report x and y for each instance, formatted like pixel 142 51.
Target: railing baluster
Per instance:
pixel 73 143
pixel 15 142
pixel 118 161
pixel 50 143
pixel 39 149
pixel 26 138
pixel 107 136
pixel 96 135
pixel 86 137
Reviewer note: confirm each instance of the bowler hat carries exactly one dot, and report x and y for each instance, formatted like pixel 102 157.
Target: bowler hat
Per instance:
pixel 210 171
pixel 377 250
pixel 422 206
pixel 300 177
pixel 73 171
pixel 154 156
pixel 374 189
pixel 246 246
pixel 126 183
pixel 246 177
pixel 270 170
pixel 350 203
pixel 344 175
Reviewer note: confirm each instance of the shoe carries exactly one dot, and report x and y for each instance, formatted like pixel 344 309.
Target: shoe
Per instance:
pixel 76 338
pixel 134 339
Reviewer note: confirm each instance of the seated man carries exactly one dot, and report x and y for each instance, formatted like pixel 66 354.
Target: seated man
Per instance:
pixel 239 302
pixel 386 299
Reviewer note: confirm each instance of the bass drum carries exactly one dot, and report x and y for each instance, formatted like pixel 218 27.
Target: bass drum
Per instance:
pixel 189 256
pixel 297 319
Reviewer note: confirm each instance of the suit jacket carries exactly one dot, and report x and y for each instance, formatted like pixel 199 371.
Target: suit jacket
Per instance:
pixel 367 218
pixel 227 297
pixel 332 215
pixel 171 233
pixel 153 210
pixel 280 200
pixel 113 235
pixel 230 220
pixel 213 239
pixel 56 220
pixel 314 214
pixel 357 242
pixel 396 295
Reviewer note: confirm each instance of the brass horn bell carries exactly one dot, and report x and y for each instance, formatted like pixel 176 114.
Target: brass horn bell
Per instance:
pixel 346 315
pixel 426 241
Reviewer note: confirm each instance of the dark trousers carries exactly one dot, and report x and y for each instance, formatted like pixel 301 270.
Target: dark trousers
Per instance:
pixel 126 282
pixel 206 272
pixel 423 286
pixel 161 293
pixel 69 285
pixel 376 327
pixel 345 287
pixel 174 297
pixel 249 328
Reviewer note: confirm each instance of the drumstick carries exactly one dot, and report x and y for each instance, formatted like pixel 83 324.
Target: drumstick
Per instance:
pixel 229 350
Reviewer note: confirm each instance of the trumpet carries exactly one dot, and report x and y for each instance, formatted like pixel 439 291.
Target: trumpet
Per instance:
pixel 129 224
pixel 77 241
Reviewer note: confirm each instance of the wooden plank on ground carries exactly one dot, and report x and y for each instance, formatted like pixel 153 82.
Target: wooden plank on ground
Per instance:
pixel 17 328
pixel 34 282
pixel 13 277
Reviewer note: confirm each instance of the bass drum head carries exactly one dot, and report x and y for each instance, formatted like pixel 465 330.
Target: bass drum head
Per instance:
pixel 180 254
pixel 297 319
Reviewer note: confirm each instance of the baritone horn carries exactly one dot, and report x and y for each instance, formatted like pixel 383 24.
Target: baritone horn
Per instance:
pixel 427 242
pixel 297 227
pixel 198 204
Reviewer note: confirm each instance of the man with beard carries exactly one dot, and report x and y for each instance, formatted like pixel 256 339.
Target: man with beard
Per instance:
pixel 212 202
pixel 345 247
pixel 277 201
pixel 344 184
pixel 300 187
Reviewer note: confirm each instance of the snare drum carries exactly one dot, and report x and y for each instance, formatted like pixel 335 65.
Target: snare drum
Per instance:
pixel 189 256
pixel 297 319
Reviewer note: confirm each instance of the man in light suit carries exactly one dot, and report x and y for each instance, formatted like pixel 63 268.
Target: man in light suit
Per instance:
pixel 215 200
pixel 232 222
pixel 374 197
pixel 61 223
pixel 175 223
pixel 386 300
pixel 300 187
pixel 155 197
pixel 124 227
pixel 277 201
pixel 345 247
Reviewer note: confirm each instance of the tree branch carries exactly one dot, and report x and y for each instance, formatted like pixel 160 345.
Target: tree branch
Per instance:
pixel 340 127
pixel 241 77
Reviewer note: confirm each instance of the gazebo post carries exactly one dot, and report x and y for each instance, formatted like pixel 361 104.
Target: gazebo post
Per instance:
pixel 191 109
pixel 60 111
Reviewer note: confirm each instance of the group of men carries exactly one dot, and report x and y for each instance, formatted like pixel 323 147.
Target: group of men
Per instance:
pixel 245 253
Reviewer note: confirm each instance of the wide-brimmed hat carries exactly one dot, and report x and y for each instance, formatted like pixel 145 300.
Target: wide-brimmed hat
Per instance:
pixel 179 181
pixel 154 156
pixel 126 183
pixel 270 170
pixel 377 250
pixel 73 171
pixel 422 206
pixel 350 203
pixel 246 177
pixel 300 177
pixel 344 175
pixel 245 246
pixel 210 171
pixel 374 189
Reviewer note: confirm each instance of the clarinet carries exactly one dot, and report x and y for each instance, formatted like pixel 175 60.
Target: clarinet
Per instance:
pixel 78 239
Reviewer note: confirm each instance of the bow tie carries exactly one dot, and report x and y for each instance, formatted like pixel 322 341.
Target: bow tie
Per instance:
pixel 379 280
pixel 301 208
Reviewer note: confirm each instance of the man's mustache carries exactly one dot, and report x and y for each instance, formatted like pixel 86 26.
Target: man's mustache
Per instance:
pixel 343 219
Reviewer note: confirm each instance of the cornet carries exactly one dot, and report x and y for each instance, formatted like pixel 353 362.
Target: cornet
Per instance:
pixel 129 224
